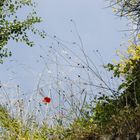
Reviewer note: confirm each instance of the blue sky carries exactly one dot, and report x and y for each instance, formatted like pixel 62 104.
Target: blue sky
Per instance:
pixel 97 26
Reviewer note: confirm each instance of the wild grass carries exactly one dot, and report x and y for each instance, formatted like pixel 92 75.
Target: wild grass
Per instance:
pixel 72 81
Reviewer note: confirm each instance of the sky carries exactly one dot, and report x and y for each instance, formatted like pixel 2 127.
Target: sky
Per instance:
pixel 97 26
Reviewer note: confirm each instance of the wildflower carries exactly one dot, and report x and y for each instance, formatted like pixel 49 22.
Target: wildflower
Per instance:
pixel 46 100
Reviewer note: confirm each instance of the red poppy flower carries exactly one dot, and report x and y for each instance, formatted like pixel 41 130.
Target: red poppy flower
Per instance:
pixel 46 100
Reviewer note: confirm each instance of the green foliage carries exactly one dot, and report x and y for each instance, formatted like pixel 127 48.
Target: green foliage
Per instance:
pixel 12 128
pixel 128 69
pixel 13 28
pixel 81 129
pixel 127 8
pixel 123 121
pixel 8 124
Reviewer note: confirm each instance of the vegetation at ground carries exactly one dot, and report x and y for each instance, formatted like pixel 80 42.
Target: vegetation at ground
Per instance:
pixel 114 112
